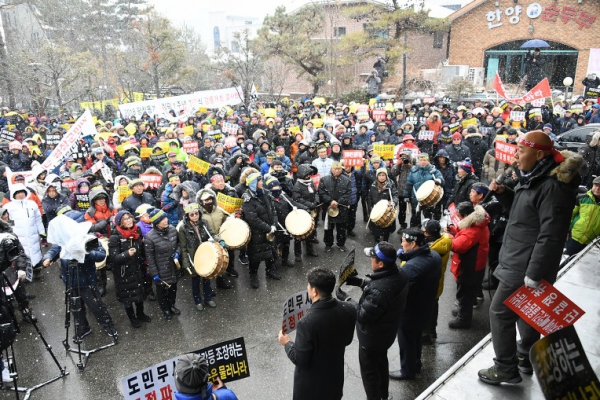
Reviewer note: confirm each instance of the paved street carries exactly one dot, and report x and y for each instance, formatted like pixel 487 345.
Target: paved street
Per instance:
pixel 253 314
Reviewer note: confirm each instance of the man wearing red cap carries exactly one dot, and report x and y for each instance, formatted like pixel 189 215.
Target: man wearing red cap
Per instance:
pixel 540 212
pixel 458 151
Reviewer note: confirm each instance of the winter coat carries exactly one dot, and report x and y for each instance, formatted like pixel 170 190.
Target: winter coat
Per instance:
pixel 52 205
pixel 462 189
pixel 338 189
pixel 16 162
pixel 189 241
pixel 323 166
pixel 260 214
pixel 457 155
pixel 28 226
pixel 540 213
pixel 115 198
pixel 352 177
pixel 419 175
pixel 169 205
pixel 80 275
pixel 442 246
pixel 423 269
pixel 160 245
pixel 127 270
pixel 389 193
pixel 493 168
pixel 214 219
pixel 79 201
pixel 448 173
pixel 191 188
pixel 133 201
pixel 380 308
pixel 306 157
pixel 318 352
pixel 585 222
pixel 306 194
pixel 477 148
pixel 471 244
pixel 401 172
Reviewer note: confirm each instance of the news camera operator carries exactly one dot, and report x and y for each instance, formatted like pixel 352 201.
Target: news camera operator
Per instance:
pixel 9 252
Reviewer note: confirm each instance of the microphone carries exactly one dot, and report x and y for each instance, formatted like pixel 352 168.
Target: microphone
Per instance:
pixel 499 181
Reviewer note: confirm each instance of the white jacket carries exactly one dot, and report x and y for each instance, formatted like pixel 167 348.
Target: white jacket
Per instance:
pixel 28 223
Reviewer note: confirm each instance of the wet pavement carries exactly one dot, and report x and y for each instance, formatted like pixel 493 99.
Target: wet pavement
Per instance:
pixel 254 314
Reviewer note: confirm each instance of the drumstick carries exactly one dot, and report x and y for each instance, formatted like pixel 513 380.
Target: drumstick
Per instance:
pixel 209 235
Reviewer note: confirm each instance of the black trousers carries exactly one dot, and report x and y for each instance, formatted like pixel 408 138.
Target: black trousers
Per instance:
pixel 89 298
pixel 466 292
pixel 166 295
pixel 340 234
pixel 504 323
pixel 374 372
pixel 409 341
pixel 255 263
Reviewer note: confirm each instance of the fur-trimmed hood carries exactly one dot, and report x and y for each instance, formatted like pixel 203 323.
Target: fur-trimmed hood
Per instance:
pixel 246 172
pixel 478 217
pixel 206 190
pixel 189 186
pixel 567 170
pixel 473 135
pixel 153 171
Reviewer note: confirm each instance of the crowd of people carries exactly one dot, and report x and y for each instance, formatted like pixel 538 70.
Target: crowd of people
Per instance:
pixel 501 215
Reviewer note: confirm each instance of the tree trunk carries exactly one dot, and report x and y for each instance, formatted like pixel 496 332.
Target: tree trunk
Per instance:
pixel 156 80
pixel 315 86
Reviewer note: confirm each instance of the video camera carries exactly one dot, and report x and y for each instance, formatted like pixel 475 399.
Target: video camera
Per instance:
pixel 9 250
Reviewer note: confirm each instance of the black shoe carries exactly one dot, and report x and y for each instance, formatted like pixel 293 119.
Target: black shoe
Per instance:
pixel 168 315
pixel 493 376
pixel 135 322
pixel 426 339
pixel 455 312
pixel 28 316
pixel 143 317
pixel 30 296
pixel 112 332
pixel 311 253
pixel 399 376
pixel 458 323
pixel 287 263
pixel 102 290
pixel 254 281
pixel 175 311
pixel 328 248
pixel 525 366
pixel 79 338
pixel 273 275
pixel 151 296
pixel 232 272
pixel 315 240
pixel 223 284
pixel 243 259
pixel 298 258
pixel 351 234
pixel 342 248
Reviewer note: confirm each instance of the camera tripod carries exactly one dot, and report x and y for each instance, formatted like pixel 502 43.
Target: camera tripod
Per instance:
pixel 10 357
pixel 74 304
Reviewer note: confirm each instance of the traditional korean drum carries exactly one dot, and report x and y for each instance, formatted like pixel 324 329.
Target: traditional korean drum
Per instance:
pixel 299 224
pixel 211 260
pixel 429 194
pixel 235 233
pixel 383 213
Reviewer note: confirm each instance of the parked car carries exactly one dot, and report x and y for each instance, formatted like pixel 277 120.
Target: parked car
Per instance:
pixel 575 138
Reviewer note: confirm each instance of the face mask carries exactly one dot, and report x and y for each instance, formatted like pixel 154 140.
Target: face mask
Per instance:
pixel 84 189
pixel 276 192
pixel 250 147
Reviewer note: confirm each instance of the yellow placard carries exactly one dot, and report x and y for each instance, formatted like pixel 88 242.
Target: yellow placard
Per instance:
pixel 270 113
pixel 122 148
pixel 389 107
pixel 228 203
pixel 188 130
pixel 66 126
pixel 131 128
pixel 353 108
pixel 124 191
pixel 467 122
pixel 371 102
pixel 317 122
pixel 197 165
pixel 319 101
pixel 385 151
pixel 163 145
pixel 95 120
pixel 145 152
pixel 294 129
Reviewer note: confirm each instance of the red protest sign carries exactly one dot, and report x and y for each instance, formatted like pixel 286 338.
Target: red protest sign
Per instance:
pixel 353 158
pixel 378 115
pixel 69 184
pixel 545 308
pixel 316 179
pixel 150 180
pixel 191 147
pixel 505 151
pixel 453 214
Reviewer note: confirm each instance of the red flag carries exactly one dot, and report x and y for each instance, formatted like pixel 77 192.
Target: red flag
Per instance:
pixel 498 86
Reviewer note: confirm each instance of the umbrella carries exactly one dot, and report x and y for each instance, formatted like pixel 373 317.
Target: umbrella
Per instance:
pixel 534 43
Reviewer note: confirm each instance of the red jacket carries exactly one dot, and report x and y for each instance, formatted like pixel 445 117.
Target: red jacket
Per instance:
pixel 471 231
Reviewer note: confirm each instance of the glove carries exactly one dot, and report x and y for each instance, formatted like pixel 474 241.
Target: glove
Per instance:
pixel 272 229
pixel 399 253
pixel 530 283
pixel 341 295
pixel 355 281
pixel 176 255
pixel 437 181
pixel 222 243
pixel 211 240
pixel 407 200
pixel 156 278
pixel 21 275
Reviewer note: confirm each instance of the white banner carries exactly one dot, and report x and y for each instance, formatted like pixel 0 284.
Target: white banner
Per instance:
pixel 189 103
pixel 84 126
pixel 594 62
pixel 294 308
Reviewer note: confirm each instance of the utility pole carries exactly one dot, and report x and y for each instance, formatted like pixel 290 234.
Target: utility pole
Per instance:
pixel 404 69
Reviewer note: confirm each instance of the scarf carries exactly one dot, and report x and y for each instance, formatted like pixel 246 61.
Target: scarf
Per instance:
pixel 132 233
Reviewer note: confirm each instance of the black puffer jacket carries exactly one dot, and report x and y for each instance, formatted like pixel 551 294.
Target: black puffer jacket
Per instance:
pixel 457 155
pixel 340 190
pixel 461 190
pixel 52 205
pixel 478 147
pixel 133 201
pixel 389 193
pixel 259 212
pixel 127 270
pixel 160 246
pixel 306 194
pixel 380 308
pixel 189 241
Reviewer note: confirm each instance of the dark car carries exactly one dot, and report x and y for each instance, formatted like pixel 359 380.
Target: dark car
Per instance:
pixel 575 138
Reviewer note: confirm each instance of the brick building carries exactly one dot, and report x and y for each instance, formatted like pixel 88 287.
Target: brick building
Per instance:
pixel 489 34
pixel 425 51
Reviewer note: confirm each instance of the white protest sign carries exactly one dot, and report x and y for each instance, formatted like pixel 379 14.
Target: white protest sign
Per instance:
pixel 426 135
pixel 294 308
pixel 517 115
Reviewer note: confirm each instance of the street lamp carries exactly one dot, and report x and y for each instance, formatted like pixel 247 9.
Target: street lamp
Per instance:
pixel 568 81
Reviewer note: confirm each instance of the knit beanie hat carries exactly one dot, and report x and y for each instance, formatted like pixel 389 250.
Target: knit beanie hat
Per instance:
pixel 457 136
pixel 120 215
pixel 191 373
pixel 466 164
pixel 272 182
pixel 252 181
pixel 156 215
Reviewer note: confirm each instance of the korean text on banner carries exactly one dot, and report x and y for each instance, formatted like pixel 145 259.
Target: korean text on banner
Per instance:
pixel 151 181
pixel 545 308
pixel 197 165
pixel 454 218
pixel 294 308
pixel 82 127
pixel 228 203
pixel 226 360
pixel 190 147
pixel 385 151
pixel 123 191
pixel 539 91
pixel 505 151
pixel 426 135
pixel 347 269
pixel 353 158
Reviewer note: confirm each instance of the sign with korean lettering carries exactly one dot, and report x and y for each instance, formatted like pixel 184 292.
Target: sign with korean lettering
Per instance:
pixel 123 191
pixel 471 121
pixel 426 135
pixel 513 14
pixel 229 128
pixel 190 147
pixel 316 179
pixel 505 151
pixel 353 158
pixel 7 135
pixel 592 93
pixel 454 127
pixel 347 269
pixel 562 368
pixel 517 115
pixel 545 308
pixel 385 151
pixel 228 203
pixel 378 115
pixel 83 201
pixel 52 139
pixel 197 165
pixel 226 360
pixel 145 152
pixel 454 218
pixel 70 184
pixel 294 308
pixel 158 155
pixel 565 14
pixel 151 181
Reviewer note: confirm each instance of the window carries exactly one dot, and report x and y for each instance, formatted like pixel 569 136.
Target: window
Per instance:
pixel 375 32
pixel 438 40
pixel 339 31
